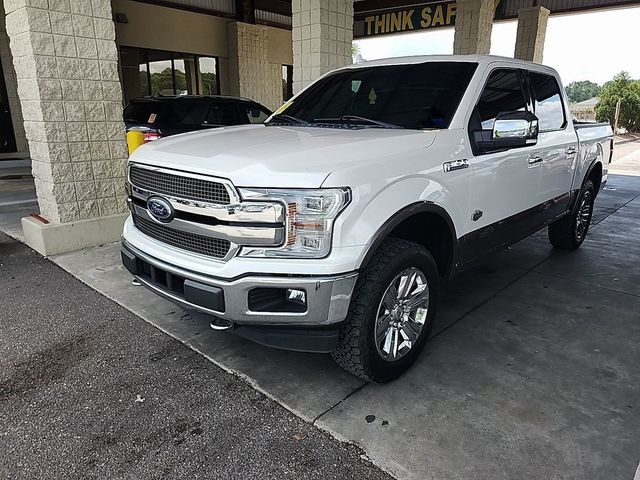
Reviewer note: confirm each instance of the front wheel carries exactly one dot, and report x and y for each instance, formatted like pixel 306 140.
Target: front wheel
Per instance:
pixel 569 232
pixel 391 312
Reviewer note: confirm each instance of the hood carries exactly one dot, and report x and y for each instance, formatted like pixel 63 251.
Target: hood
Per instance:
pixel 278 156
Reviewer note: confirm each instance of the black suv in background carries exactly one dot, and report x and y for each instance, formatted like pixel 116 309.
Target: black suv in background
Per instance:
pixel 160 116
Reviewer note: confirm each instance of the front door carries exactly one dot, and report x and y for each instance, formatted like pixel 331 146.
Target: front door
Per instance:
pixel 7 138
pixel 505 185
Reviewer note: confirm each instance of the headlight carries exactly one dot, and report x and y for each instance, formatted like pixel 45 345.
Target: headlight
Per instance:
pixel 310 217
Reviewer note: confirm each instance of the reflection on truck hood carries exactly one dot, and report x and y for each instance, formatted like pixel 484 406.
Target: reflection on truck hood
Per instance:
pixel 260 156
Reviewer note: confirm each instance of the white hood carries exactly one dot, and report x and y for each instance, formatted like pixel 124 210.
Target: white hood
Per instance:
pixel 270 156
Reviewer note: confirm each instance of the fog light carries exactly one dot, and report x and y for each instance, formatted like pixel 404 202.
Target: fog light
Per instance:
pixel 297 296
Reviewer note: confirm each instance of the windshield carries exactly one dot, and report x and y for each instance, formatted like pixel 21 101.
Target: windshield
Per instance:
pixel 417 96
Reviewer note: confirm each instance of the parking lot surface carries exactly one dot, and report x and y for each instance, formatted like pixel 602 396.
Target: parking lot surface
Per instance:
pixel 88 390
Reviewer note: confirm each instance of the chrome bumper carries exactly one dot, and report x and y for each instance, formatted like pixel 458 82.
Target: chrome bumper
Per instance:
pixel 328 297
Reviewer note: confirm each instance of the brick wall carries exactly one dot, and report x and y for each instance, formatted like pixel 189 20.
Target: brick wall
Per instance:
pixel 66 64
pixel 474 20
pixel 251 73
pixel 532 29
pixel 322 38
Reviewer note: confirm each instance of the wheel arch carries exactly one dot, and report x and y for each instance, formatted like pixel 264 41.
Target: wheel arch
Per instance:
pixel 442 242
pixel 594 173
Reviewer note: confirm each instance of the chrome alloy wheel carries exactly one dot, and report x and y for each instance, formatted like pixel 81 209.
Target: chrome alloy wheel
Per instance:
pixel 401 314
pixel 584 215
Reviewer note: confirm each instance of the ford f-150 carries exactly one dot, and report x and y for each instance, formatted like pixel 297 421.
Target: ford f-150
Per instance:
pixel 332 226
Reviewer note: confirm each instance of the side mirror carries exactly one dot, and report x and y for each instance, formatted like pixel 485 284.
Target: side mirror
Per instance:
pixel 515 129
pixel 255 112
pixel 510 130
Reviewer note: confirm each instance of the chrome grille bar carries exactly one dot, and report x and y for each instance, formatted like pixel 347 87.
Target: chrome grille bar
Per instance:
pixel 209 246
pixel 187 187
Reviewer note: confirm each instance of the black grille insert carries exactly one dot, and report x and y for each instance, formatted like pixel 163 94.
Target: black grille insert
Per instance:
pixel 213 247
pixel 179 186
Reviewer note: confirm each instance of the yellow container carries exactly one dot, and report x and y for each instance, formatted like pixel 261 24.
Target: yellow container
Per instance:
pixel 135 138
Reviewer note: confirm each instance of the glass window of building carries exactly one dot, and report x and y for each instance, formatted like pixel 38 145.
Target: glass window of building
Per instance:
pixel 208 68
pixel 156 72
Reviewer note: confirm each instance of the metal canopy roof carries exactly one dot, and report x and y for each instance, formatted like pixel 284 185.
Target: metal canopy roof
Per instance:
pixel 278 12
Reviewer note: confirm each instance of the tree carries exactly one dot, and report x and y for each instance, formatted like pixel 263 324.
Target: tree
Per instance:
pixel 582 90
pixel 627 90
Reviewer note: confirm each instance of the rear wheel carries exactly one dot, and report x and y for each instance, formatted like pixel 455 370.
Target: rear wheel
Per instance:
pixel 569 232
pixel 391 312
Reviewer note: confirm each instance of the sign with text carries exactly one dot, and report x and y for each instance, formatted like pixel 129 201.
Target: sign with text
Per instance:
pixel 406 19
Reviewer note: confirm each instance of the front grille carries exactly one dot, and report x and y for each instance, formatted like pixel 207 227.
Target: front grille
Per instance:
pixel 212 247
pixel 179 186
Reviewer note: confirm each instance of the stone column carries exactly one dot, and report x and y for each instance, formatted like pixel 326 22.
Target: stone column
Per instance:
pixel 66 63
pixel 322 38
pixel 532 29
pixel 474 20
pixel 251 73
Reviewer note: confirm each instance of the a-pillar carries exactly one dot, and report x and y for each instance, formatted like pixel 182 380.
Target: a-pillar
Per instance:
pixel 474 19
pixel 322 38
pixel 66 63
pixel 532 29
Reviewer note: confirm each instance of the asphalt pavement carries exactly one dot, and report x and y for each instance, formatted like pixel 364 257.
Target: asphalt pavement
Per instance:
pixel 89 390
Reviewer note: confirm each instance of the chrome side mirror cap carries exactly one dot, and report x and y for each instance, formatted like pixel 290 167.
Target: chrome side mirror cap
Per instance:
pixel 519 127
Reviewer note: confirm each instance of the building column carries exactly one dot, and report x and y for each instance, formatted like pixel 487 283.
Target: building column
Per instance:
pixel 532 29
pixel 474 20
pixel 66 63
pixel 322 38
pixel 251 72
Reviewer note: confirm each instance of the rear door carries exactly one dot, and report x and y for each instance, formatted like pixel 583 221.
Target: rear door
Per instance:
pixel 557 141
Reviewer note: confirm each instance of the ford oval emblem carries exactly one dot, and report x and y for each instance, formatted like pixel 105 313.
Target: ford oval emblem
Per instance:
pixel 160 209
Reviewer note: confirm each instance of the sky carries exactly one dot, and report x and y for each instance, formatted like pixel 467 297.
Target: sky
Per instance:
pixel 589 46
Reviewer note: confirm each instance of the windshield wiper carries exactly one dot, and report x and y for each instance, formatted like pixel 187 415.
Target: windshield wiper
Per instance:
pixel 357 119
pixel 284 118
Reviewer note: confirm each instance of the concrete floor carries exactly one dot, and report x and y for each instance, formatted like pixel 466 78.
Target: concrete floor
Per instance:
pixel 532 371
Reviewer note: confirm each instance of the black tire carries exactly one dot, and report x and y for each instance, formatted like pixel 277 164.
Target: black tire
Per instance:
pixel 357 351
pixel 569 232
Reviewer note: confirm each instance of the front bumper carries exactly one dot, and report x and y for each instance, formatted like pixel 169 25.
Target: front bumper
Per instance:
pixel 327 297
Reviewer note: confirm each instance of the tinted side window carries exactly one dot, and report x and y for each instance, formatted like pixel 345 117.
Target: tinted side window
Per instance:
pixel 502 93
pixel 165 113
pixel 224 113
pixel 548 101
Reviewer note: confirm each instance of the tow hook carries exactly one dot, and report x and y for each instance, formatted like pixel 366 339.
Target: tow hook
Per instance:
pixel 220 324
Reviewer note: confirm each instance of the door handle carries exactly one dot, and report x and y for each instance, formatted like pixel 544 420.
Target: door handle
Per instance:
pixel 571 151
pixel 534 160
pixel 455 165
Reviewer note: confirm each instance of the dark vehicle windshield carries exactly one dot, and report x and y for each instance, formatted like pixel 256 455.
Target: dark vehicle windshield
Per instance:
pixel 167 112
pixel 416 96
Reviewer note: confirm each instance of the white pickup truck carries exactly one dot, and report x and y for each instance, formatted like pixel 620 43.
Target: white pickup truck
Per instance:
pixel 331 227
